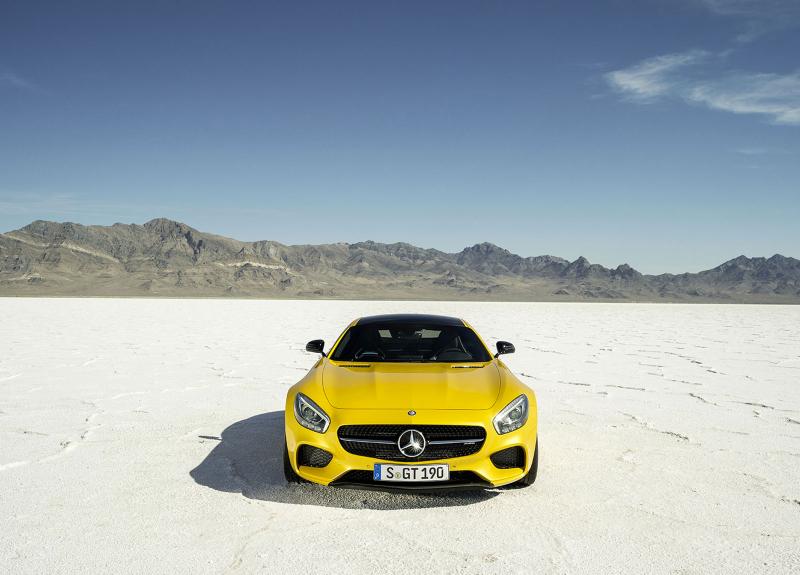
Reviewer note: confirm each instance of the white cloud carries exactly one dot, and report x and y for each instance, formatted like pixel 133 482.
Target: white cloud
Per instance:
pixel 696 78
pixel 755 8
pixel 753 151
pixel 764 151
pixel 759 16
pixel 654 77
pixel 36 205
pixel 18 208
pixel 12 80
pixel 774 95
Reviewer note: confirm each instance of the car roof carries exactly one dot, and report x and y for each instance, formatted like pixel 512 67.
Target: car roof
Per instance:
pixel 410 318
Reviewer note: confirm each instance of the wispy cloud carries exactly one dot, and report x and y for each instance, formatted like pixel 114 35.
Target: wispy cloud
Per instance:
pixel 18 208
pixel 753 151
pixel 66 205
pixel 696 77
pixel 763 151
pixel 774 95
pixel 654 77
pixel 759 16
pixel 753 8
pixel 12 80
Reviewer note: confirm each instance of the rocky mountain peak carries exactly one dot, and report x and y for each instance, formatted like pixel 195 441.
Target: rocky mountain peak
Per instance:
pixel 485 249
pixel 167 227
pixel 49 230
pixel 625 271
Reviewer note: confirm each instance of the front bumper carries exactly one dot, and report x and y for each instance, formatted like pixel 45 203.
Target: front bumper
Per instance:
pixel 346 469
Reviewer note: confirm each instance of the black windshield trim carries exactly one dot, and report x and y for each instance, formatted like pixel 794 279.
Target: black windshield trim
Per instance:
pixel 406 318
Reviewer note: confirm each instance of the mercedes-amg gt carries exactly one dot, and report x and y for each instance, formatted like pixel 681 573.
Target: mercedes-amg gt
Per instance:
pixel 414 402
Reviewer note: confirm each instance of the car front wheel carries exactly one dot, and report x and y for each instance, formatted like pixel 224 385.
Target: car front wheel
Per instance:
pixel 288 473
pixel 530 477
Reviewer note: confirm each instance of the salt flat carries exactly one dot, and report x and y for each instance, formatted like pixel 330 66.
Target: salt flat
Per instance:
pixel 146 435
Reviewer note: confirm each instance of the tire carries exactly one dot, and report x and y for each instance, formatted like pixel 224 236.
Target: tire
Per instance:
pixel 530 477
pixel 288 473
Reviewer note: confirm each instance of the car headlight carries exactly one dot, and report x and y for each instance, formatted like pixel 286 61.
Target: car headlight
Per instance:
pixel 512 416
pixel 310 415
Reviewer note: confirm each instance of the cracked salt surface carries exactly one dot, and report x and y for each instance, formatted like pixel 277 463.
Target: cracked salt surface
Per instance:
pixel 146 436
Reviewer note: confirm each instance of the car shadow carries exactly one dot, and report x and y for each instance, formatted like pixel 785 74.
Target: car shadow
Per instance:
pixel 249 460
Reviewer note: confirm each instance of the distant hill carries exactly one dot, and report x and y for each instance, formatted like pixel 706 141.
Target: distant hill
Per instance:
pixel 168 258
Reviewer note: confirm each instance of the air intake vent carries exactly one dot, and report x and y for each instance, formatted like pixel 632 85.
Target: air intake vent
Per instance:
pixel 311 456
pixel 509 458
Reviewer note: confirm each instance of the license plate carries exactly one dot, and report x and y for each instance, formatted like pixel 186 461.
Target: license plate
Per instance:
pixel 388 472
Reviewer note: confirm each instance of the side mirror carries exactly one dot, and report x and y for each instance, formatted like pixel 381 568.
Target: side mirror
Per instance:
pixel 504 347
pixel 316 346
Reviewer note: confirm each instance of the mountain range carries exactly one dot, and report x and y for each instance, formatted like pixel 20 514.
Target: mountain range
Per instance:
pixel 168 258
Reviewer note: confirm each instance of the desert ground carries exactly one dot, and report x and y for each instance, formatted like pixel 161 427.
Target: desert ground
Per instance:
pixel 145 436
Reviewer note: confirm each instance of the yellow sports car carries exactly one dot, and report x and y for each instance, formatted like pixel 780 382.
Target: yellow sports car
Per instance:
pixel 414 402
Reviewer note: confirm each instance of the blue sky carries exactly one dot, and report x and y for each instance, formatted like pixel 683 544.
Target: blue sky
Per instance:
pixel 662 133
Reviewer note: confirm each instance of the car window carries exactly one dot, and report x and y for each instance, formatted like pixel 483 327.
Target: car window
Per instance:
pixel 398 342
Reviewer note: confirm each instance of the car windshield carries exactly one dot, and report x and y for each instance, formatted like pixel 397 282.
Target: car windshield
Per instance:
pixel 395 342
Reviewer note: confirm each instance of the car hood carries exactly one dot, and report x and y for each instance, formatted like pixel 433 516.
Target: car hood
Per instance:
pixel 411 386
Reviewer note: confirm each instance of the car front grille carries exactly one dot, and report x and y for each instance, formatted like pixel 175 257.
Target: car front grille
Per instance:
pixel 442 441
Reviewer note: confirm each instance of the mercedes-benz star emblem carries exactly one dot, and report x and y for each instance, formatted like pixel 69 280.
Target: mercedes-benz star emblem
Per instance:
pixel 411 443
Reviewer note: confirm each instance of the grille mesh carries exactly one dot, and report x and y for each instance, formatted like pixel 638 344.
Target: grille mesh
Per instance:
pixel 311 456
pixel 473 436
pixel 509 458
